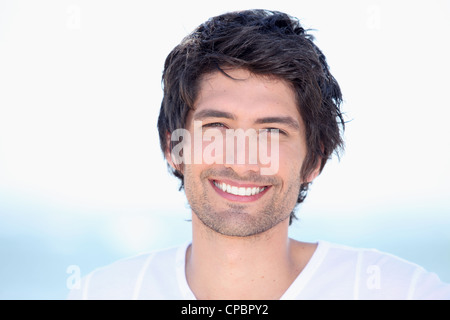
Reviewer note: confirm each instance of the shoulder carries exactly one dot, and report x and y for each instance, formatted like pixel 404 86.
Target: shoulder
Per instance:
pixel 381 275
pixel 125 278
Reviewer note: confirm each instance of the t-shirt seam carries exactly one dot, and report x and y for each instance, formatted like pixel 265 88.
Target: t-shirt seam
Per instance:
pixel 141 275
pixel 302 280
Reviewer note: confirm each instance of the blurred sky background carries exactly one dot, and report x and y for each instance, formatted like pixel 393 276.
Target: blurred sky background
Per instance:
pixel 82 179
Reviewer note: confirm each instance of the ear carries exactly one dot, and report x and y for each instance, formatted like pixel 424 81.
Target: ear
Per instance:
pixel 168 153
pixel 313 175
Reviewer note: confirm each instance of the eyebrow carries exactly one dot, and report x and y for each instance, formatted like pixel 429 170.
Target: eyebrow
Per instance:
pixel 211 113
pixel 287 120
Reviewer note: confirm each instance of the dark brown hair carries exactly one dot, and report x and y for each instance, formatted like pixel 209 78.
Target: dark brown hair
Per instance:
pixel 268 43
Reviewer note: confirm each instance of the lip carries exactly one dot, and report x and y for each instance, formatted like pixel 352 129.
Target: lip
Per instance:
pixel 237 198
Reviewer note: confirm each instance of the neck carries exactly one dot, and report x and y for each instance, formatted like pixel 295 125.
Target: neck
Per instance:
pixel 257 267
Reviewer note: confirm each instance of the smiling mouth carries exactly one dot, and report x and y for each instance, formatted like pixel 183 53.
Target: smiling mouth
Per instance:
pixel 239 192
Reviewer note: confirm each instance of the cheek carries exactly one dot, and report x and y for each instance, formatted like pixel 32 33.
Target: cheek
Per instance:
pixel 213 147
pixel 292 156
pixel 204 147
pixel 291 159
pixel 192 185
pixel 291 173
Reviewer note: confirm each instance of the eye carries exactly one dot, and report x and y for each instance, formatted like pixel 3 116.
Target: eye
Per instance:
pixel 214 125
pixel 274 130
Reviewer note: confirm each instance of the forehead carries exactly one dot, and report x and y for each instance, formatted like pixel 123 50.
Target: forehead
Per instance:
pixel 245 94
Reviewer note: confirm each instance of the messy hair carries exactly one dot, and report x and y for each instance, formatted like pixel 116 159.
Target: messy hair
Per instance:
pixel 266 43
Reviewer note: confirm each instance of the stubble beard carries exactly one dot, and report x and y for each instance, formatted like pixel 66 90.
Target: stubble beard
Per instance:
pixel 235 220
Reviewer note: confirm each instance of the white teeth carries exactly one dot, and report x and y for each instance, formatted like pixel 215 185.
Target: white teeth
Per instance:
pixel 238 191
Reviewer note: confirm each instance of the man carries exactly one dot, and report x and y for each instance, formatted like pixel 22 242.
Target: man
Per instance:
pixel 249 117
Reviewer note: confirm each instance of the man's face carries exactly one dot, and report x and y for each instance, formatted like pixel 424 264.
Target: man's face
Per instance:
pixel 234 198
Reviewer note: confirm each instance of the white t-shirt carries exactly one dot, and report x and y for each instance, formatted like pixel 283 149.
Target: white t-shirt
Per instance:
pixel 333 272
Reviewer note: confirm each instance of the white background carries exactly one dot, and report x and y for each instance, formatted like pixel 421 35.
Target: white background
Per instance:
pixel 82 179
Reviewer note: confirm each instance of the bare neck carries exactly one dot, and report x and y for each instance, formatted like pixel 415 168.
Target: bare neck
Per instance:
pixel 257 267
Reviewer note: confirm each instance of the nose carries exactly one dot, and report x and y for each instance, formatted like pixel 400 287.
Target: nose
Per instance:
pixel 241 155
pixel 243 169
